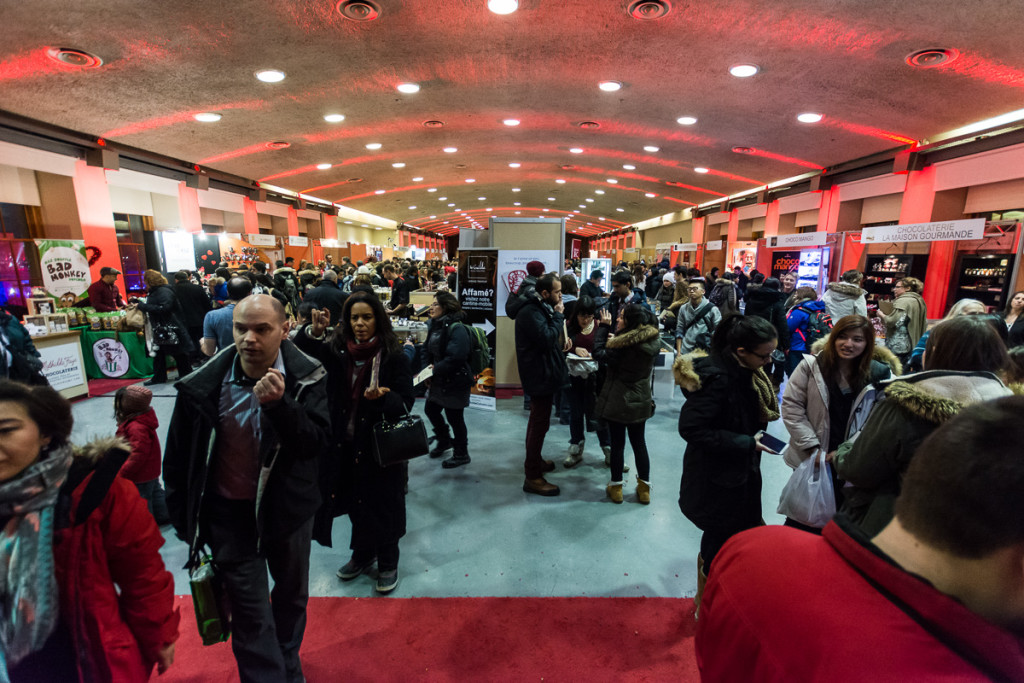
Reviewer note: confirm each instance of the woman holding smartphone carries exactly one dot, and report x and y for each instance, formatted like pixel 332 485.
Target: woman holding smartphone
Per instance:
pixel 821 392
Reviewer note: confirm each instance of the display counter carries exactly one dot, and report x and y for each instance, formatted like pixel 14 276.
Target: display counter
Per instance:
pixel 115 355
pixel 63 364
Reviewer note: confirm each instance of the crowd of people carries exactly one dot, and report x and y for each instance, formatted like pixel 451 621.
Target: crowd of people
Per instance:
pixel 283 373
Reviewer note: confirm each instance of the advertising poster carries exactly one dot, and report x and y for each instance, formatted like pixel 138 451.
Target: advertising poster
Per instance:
pixel 783 262
pixel 179 251
pixel 206 250
pixel 512 270
pixel 576 249
pixel 477 292
pixel 742 254
pixel 65 270
pixel 61 365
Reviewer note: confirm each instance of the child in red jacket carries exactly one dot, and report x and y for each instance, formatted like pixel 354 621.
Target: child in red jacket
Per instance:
pixel 136 424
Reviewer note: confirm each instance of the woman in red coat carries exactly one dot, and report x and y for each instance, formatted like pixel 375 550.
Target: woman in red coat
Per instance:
pixel 70 527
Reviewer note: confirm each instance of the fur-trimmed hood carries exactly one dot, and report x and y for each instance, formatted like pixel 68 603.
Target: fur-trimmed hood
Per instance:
pixel 685 374
pixel 102 447
pixel 644 333
pixel 880 354
pixel 845 290
pixel 938 395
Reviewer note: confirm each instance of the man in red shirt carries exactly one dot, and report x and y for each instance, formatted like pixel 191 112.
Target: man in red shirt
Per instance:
pixel 104 295
pixel 937 594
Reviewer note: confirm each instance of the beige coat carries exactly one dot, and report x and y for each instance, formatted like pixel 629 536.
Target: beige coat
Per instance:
pixel 805 405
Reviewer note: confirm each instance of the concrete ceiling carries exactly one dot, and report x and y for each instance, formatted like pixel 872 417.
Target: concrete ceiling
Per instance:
pixel 845 59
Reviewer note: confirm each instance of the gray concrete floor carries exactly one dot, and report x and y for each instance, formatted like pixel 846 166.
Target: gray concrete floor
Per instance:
pixel 473 532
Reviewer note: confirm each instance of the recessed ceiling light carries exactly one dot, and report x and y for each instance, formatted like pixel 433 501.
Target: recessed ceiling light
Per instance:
pixel 483 199
pixel 489 209
pixel 441 199
pixel 348 222
pixel 412 207
pixel 651 148
pixel 700 169
pixel 686 120
pixel 809 117
pixel 451 204
pixel 612 181
pixel 417 179
pixel 517 203
pixel 374 145
pixel 620 209
pixel 503 6
pixel 378 191
pixel 323 167
pixel 450 150
pixel 433 216
pixel 649 195
pixel 515 189
pixel 364 225
pixel 545 210
pixel 600 218
pixel 407 88
pixel 560 181
pixel 551 199
pixel 207 117
pixel 583 206
pixel 511 122
pixel 598 191
pixel 609 86
pixel 575 210
pixel 334 118
pixel 744 70
pixel 629 167
pixel 470 180
pixel 398 164
pixel 576 150
pixel 514 164
pixel 432 189
pixel 270 76
pixel 589 200
pixel 378 228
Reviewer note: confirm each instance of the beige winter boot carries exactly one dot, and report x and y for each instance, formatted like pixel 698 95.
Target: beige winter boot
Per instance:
pixel 643 491
pixel 614 491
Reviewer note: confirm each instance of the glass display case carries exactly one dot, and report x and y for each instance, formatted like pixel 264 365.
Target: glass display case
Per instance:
pixel 881 271
pixel 985 277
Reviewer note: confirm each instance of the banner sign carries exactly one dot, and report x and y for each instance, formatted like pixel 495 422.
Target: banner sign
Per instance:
pixel 783 262
pixel 512 270
pixel 686 246
pixel 969 229
pixel 261 240
pixel 714 245
pixel 294 241
pixel 179 250
pixel 477 290
pixel 806 239
pixel 575 248
pixel 65 269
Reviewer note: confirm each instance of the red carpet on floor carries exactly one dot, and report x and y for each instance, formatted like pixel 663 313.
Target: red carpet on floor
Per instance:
pixel 99 387
pixel 472 639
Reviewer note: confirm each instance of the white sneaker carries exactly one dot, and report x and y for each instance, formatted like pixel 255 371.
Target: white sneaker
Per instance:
pixel 575 456
pixel 608 458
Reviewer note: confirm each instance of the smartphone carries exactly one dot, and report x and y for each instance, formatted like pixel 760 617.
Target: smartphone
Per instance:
pixel 777 445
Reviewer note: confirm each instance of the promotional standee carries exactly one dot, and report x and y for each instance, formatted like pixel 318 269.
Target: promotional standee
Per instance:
pixel 65 270
pixel 512 270
pixel 742 254
pixel 477 292
pixel 811 262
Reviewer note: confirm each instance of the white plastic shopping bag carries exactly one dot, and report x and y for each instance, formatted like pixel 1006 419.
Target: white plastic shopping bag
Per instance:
pixel 808 497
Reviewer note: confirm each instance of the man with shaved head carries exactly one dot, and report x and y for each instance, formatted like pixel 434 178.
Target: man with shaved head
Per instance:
pixel 241 469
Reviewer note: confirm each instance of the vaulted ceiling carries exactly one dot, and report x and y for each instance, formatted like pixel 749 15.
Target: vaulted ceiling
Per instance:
pixel 602 158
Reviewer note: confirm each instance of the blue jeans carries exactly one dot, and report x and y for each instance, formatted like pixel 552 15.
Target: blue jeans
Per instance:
pixel 581 407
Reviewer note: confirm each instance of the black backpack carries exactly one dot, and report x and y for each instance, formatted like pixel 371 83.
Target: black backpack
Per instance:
pixel 819 325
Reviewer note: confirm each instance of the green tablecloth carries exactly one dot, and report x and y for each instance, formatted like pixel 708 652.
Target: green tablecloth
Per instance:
pixel 115 355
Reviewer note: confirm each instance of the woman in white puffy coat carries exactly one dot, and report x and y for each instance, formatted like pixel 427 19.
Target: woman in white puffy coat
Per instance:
pixel 823 388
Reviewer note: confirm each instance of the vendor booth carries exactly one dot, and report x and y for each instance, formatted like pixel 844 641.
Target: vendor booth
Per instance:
pixel 115 355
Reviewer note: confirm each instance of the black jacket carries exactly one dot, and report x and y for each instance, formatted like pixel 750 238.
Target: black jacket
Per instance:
pixel 26 366
pixel 1015 337
pixel 515 302
pixel 626 394
pixel 448 348
pixel 769 304
pixel 721 483
pixel 327 295
pixel 194 302
pixel 163 308
pixel 356 485
pixel 295 441
pixel 542 368
pixel 591 290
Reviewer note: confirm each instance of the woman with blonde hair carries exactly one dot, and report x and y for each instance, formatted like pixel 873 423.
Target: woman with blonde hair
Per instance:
pixel 170 336
pixel 962 307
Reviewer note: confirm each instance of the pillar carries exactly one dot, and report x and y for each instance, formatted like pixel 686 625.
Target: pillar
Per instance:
pixel 188 208
pixel 828 212
pixel 771 219
pixel 293 222
pixel 918 204
pixel 330 224
pixel 250 217
pixel 96 216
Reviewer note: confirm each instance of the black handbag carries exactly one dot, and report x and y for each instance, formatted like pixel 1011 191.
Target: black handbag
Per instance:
pixel 165 334
pixel 401 440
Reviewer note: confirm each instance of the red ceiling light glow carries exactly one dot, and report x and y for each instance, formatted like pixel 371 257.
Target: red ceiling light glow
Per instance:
pixel 358 10
pixel 278 144
pixel 434 124
pixel 589 125
pixel 753 151
pixel 69 56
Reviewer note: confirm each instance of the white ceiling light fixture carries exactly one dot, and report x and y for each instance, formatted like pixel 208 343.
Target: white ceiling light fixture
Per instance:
pixel 610 86
pixel 412 207
pixel 589 200
pixel 323 167
pixel 744 70
pixel 483 199
pixel 576 150
pixel 700 169
pixel 629 167
pixel 620 210
pixel 809 117
pixel 334 118
pixel 598 191
pixel 551 199
pixel 517 203
pixel 560 181
pixel 373 146
pixel 270 75
pixel 398 164
pixel 650 195
pixel 378 228
pixel 651 148
pixel 451 204
pixel 515 189
pixel 378 191
pixel 418 179
pixel 686 120
pixel 612 181
pixel 407 88
pixel 503 6
pixel 207 117
pixel 511 123
pixel 442 199
pixel 431 189
pixel 432 217
pixel 470 180
pixel 514 164
pixel 583 206
pixel 450 150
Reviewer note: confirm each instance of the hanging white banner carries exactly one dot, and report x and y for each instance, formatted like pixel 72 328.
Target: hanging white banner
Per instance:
pixel 262 240
pixel 298 241
pixel 686 246
pixel 714 245
pixel 969 229
pixel 804 239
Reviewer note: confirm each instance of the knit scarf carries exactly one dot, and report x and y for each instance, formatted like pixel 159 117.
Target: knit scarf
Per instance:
pixel 767 399
pixel 361 353
pixel 28 582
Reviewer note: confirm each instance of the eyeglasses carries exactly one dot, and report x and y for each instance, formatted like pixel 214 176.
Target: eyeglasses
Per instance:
pixel 765 357
pixel 693 289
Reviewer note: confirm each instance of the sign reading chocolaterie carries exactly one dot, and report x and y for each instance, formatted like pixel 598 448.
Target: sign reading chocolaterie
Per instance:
pixel 969 229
